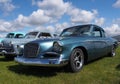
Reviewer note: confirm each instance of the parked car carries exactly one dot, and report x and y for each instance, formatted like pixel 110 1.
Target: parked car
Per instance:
pixel 11 35
pixel 14 47
pixel 75 46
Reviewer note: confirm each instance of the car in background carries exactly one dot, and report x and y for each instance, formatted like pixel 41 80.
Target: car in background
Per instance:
pixel 14 47
pixel 11 35
pixel 75 46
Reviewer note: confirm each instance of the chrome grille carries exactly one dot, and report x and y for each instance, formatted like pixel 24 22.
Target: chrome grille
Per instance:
pixel 7 48
pixel 31 50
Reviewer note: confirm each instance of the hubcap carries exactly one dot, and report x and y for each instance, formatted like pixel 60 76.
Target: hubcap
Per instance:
pixel 113 52
pixel 78 59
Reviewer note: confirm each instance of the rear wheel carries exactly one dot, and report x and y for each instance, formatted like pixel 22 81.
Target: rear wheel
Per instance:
pixel 7 56
pixel 76 60
pixel 112 53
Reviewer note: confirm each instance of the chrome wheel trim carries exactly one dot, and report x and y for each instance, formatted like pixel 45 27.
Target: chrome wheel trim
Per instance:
pixel 113 52
pixel 78 59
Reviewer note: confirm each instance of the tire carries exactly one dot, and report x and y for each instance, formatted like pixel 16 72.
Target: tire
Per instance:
pixel 112 53
pixel 76 60
pixel 7 56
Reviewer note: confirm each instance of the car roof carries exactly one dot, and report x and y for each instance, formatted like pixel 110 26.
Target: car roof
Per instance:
pixel 86 25
pixel 17 33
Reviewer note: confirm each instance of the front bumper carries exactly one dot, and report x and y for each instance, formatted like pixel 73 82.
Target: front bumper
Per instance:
pixel 9 51
pixel 4 52
pixel 41 62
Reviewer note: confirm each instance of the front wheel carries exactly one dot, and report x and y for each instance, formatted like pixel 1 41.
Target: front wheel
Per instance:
pixel 7 56
pixel 76 60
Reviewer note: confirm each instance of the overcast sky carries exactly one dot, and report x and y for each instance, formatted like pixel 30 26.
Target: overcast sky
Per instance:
pixel 55 15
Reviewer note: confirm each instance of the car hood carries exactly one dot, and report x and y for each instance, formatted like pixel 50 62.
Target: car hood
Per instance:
pixel 46 44
pixel 17 41
pixel 61 39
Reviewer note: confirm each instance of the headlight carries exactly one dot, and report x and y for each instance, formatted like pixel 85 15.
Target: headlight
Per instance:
pixel 57 47
pixel 20 49
pixel 20 46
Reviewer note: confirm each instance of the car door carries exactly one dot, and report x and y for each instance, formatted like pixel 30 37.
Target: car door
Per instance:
pixel 99 41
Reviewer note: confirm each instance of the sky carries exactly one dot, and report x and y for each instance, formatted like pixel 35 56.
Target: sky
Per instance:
pixel 55 15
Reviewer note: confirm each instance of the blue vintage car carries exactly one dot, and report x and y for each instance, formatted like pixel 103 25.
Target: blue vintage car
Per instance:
pixel 75 46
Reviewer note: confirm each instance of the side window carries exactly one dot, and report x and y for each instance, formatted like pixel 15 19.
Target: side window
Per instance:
pixel 85 31
pixel 44 35
pixel 97 32
pixel 19 36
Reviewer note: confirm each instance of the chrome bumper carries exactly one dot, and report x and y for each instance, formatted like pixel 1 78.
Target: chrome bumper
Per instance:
pixel 4 52
pixel 40 62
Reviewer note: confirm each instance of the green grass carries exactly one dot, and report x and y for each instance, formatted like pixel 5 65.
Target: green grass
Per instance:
pixel 103 71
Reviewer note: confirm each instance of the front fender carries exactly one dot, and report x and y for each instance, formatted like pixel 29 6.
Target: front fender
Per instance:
pixel 68 48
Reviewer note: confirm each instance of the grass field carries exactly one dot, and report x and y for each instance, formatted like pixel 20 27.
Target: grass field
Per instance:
pixel 103 71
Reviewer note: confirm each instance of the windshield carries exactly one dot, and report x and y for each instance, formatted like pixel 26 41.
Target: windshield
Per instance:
pixel 76 31
pixel 10 35
pixel 31 35
pixel 19 36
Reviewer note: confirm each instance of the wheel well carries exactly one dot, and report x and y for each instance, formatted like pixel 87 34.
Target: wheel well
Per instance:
pixel 85 53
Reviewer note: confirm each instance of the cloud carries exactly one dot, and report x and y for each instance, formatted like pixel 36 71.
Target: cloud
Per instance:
pixel 81 16
pixel 117 4
pixel 36 18
pixel 49 12
pixel 44 15
pixel 5 26
pixel 100 21
pixel 57 8
pixel 54 29
pixel 116 21
pixel 52 8
pixel 44 29
pixel 59 27
pixel 6 6
pixel 113 30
